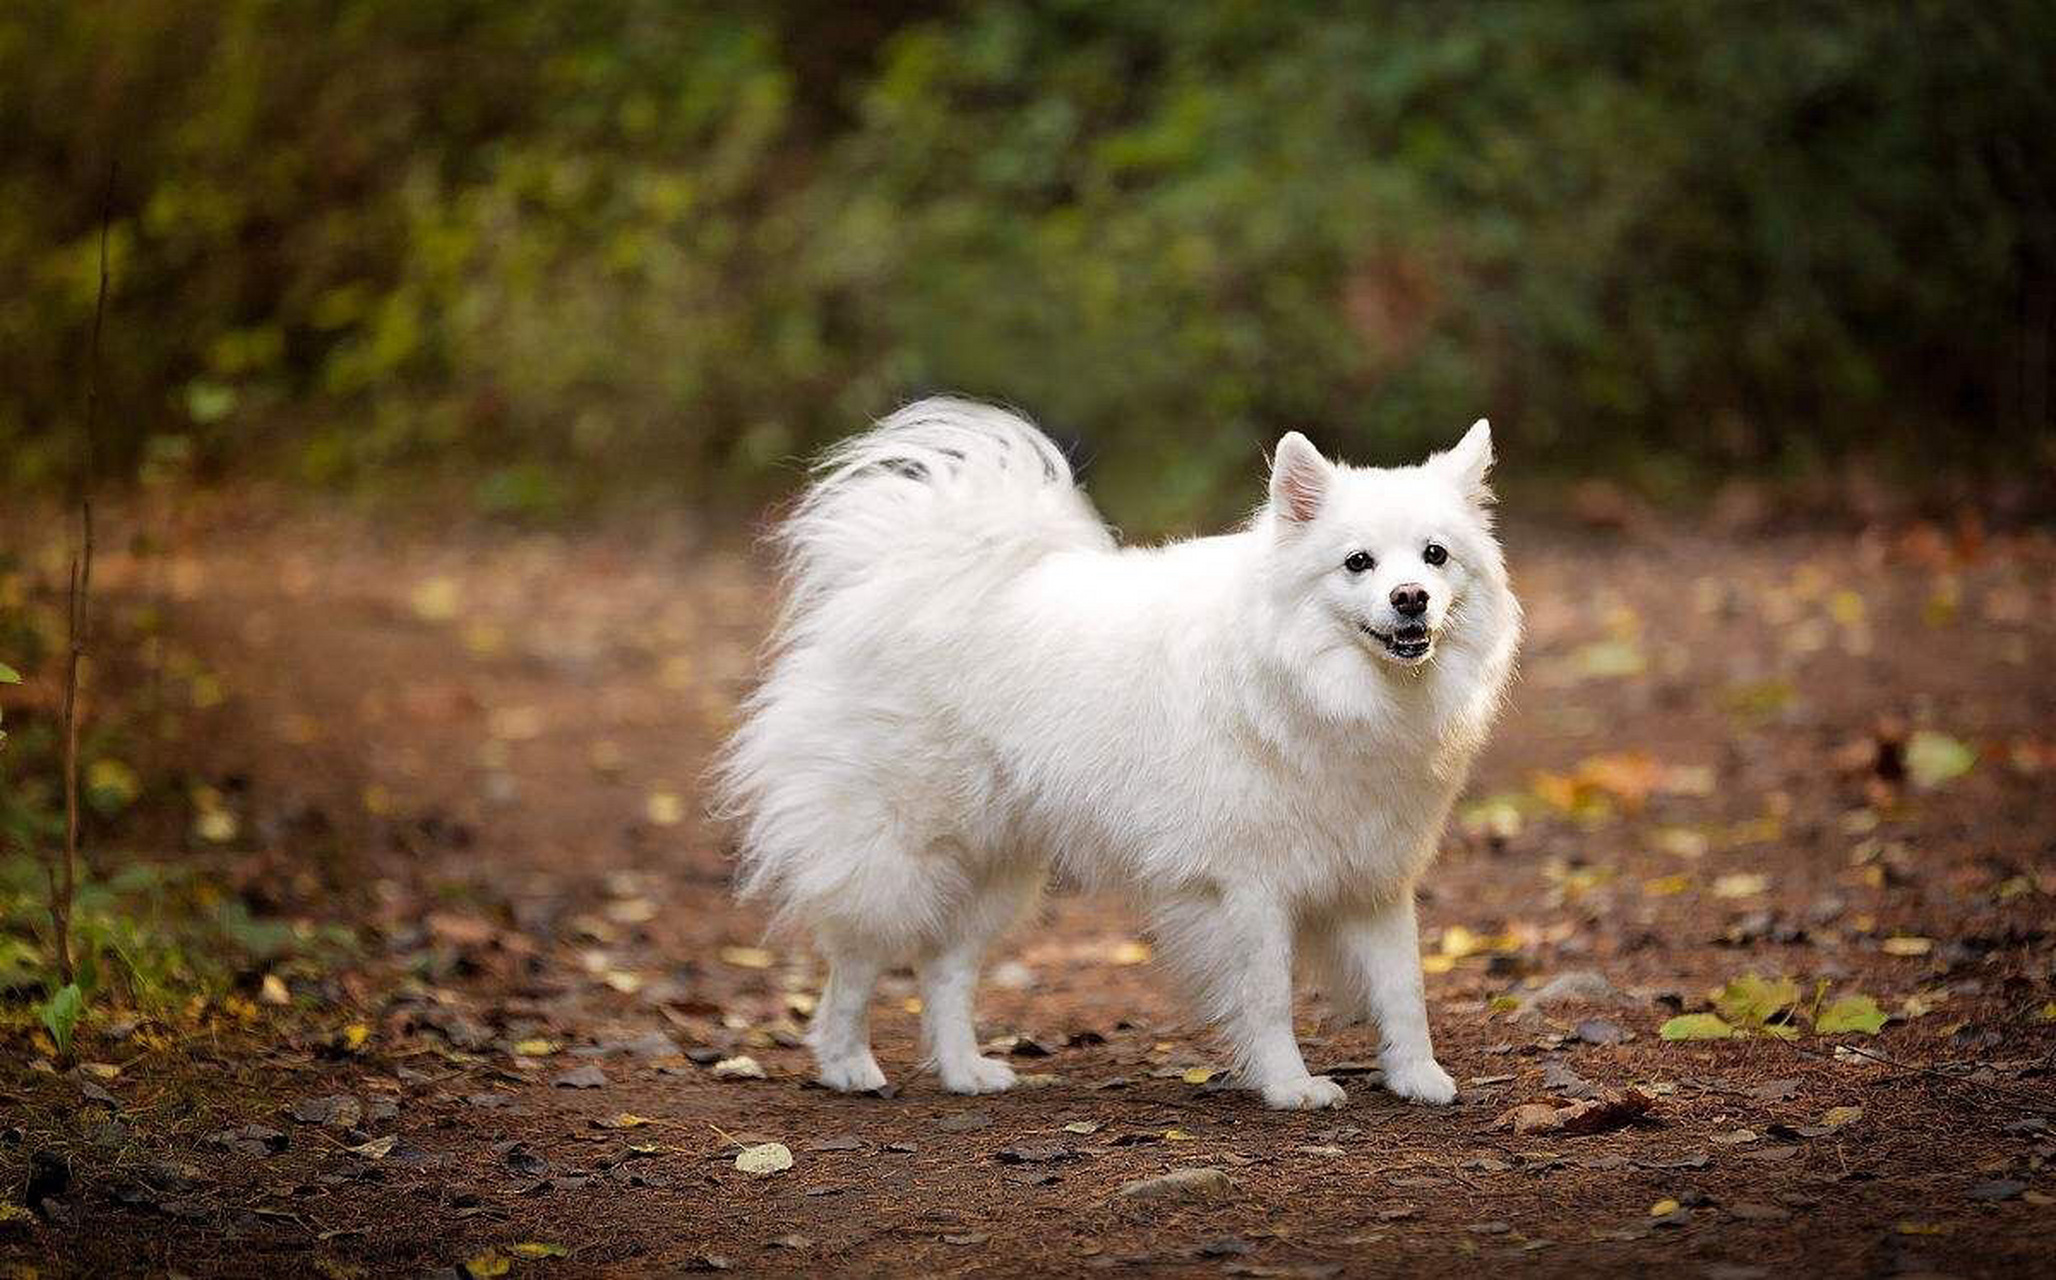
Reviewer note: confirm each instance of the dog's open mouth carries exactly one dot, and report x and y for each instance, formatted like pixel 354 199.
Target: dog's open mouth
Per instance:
pixel 1409 641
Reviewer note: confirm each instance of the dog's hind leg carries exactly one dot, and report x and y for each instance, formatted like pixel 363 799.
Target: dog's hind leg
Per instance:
pixel 840 1033
pixel 949 983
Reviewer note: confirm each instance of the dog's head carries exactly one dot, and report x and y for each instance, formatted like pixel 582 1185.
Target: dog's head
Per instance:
pixel 1395 559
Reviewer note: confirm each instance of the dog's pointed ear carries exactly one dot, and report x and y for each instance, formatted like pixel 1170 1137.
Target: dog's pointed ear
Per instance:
pixel 1468 465
pixel 1300 478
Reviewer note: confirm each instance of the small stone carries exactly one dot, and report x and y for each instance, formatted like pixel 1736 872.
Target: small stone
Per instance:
pixel 1180 1184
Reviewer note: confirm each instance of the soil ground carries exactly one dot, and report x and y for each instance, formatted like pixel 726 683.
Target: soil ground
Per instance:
pixel 1727 754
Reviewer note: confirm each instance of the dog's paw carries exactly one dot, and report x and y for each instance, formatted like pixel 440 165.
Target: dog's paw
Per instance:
pixel 857 1073
pixel 1422 1081
pixel 1308 1093
pixel 977 1075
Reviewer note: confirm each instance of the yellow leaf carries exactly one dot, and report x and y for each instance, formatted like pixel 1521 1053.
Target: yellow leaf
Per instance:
pixel 1740 884
pixel 665 809
pixel 488 1264
pixel 538 1249
pixel 1198 1075
pixel 1836 1117
pixel 1131 952
pixel 1665 886
pixel 1906 945
pixel 536 1047
pixel 1663 1207
pixel 437 600
pixel 216 826
pixel 1935 758
pixel 626 1120
pixel 747 957
pixel 354 1036
pixel 112 783
pixel 273 990
pixel 1680 842
pixel 1177 1135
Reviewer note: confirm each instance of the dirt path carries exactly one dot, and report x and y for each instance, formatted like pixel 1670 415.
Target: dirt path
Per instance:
pixel 483 750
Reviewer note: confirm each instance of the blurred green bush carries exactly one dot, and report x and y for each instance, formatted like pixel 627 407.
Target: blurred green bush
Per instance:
pixel 559 248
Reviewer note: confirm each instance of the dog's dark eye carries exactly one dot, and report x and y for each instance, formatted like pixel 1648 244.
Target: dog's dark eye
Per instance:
pixel 1434 553
pixel 1360 562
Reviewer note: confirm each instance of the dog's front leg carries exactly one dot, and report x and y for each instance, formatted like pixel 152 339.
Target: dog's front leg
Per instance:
pixel 1235 947
pixel 1381 955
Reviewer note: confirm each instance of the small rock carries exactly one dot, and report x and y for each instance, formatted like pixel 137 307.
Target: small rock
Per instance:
pixel 588 1076
pixel 1751 1211
pixel 336 1111
pixel 740 1067
pixel 1180 1184
pixel 1998 1189
pixel 1602 1031
pixel 1580 986
pixel 964 1121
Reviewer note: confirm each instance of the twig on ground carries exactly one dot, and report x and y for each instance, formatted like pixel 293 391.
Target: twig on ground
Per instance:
pixel 2021 1099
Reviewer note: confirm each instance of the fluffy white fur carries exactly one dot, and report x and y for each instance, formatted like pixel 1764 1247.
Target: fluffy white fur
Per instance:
pixel 971 682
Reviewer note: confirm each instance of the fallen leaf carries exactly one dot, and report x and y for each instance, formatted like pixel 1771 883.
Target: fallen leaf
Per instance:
pixel 488 1264
pixel 1906 945
pixel 1663 1207
pixel 1933 759
pixel 1751 1002
pixel 626 1120
pixel 1740 884
pixel 748 957
pixel 1696 1026
pixel 1836 1117
pixel 437 600
pixel 538 1249
pixel 1611 1110
pixel 1857 1013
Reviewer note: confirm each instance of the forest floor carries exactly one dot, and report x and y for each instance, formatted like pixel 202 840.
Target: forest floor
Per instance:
pixel 1818 756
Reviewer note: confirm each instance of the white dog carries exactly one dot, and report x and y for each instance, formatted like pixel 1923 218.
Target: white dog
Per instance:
pixel 1257 735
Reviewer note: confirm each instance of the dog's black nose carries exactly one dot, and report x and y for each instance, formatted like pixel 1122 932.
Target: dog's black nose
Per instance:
pixel 1411 599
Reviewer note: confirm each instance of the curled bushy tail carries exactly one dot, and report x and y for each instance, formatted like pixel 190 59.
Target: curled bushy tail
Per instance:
pixel 918 517
pixel 942 482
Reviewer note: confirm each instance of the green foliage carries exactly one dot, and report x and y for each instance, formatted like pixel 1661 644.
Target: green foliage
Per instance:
pixel 1850 1013
pixel 148 935
pixel 560 245
pixel 1696 1026
pixel 61 1013
pixel 1756 1006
